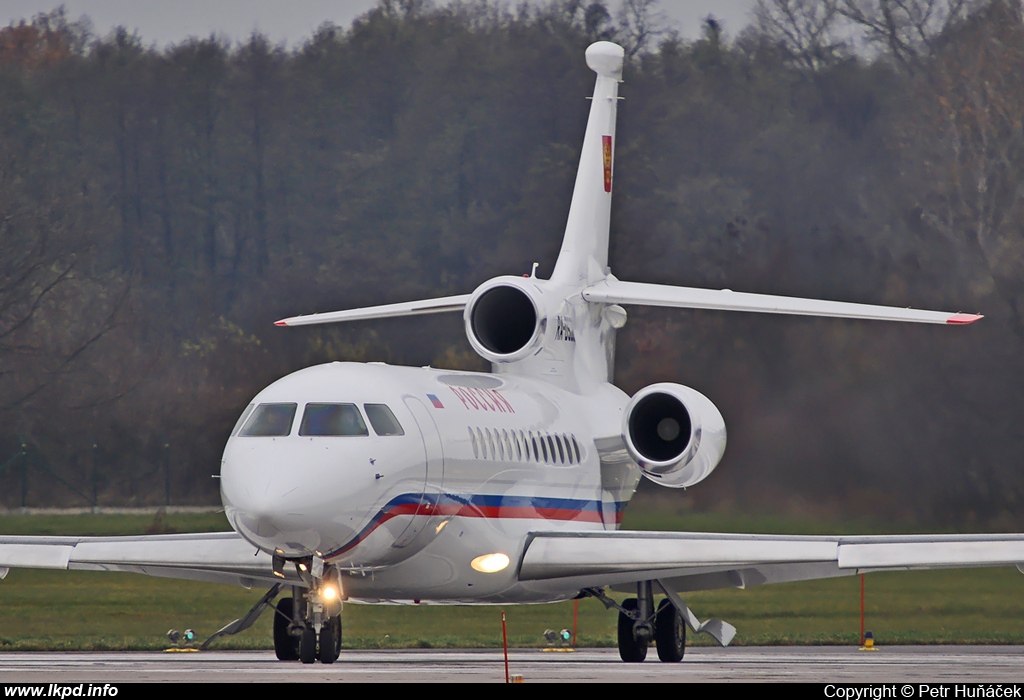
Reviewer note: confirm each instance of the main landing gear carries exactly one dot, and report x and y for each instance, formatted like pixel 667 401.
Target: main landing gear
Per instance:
pixel 640 623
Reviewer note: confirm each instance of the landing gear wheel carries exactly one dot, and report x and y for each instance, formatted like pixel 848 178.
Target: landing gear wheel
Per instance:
pixel 669 633
pixel 285 646
pixel 631 650
pixel 330 640
pixel 307 646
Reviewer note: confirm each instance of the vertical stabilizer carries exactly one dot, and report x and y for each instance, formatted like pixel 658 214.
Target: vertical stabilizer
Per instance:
pixel 586 232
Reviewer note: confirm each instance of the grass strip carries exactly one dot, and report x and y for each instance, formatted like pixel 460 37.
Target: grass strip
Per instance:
pixel 57 610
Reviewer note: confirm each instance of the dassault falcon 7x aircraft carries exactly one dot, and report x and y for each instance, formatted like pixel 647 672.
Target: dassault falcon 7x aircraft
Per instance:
pixel 373 483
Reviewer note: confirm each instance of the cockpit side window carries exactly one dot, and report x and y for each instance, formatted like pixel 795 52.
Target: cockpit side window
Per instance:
pixel 270 420
pixel 332 420
pixel 241 419
pixel 382 419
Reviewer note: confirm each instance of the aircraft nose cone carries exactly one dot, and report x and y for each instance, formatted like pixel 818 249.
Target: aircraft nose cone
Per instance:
pixel 275 512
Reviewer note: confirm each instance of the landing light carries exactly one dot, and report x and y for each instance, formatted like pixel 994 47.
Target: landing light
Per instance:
pixel 490 563
pixel 329 592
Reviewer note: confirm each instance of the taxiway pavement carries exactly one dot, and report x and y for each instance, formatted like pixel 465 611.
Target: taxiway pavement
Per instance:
pixel 921 664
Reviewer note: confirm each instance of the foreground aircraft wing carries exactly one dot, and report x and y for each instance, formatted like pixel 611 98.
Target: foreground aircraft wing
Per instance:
pixel 685 561
pixel 219 557
pixel 404 308
pixel 612 291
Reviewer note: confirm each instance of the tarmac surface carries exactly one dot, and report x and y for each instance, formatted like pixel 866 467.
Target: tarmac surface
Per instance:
pixel 841 665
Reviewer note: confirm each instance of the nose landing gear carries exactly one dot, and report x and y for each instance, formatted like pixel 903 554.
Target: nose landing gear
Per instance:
pixel 307 626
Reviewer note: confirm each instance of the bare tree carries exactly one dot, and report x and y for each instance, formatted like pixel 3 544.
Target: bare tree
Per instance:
pixel 805 29
pixel 906 29
pixel 972 132
pixel 640 24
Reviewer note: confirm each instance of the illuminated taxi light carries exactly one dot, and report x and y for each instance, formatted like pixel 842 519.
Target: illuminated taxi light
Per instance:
pixel 329 592
pixel 490 563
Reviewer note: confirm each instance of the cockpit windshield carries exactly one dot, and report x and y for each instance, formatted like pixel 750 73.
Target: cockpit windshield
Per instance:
pixel 332 419
pixel 270 420
pixel 382 419
pixel 241 419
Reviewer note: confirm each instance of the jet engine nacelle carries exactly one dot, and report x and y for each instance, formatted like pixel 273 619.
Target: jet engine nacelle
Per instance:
pixel 674 433
pixel 506 318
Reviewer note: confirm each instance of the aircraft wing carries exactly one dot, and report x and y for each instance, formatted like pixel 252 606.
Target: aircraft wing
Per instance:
pixel 690 561
pixel 404 308
pixel 613 291
pixel 220 557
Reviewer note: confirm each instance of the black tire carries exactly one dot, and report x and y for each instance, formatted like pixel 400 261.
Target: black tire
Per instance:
pixel 285 646
pixel 669 633
pixel 307 646
pixel 330 640
pixel 631 650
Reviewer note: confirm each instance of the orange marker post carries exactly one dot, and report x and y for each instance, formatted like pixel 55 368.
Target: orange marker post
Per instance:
pixel 504 643
pixel 862 609
pixel 575 619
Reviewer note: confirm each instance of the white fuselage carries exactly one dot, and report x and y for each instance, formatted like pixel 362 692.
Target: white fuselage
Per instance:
pixel 483 460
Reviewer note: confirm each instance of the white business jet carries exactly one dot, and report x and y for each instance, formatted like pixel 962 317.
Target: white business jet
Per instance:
pixel 373 483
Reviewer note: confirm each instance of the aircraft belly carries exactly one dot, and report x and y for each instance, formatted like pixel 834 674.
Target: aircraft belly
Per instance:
pixel 441 572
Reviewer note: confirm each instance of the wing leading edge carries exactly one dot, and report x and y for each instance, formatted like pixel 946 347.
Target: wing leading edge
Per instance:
pixel 684 561
pixel 219 557
pixel 420 307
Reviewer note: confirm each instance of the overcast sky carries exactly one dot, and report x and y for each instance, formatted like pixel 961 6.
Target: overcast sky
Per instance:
pixel 290 21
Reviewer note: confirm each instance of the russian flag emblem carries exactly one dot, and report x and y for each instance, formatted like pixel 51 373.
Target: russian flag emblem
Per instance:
pixel 436 401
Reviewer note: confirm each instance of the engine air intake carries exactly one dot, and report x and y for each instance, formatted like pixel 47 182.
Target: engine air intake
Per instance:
pixel 674 434
pixel 660 427
pixel 504 319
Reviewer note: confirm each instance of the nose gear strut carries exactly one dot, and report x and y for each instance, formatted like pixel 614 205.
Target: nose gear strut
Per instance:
pixel 307 626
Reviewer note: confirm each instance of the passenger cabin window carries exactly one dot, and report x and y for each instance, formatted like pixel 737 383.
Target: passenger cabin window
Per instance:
pixel 332 420
pixel 382 419
pixel 270 420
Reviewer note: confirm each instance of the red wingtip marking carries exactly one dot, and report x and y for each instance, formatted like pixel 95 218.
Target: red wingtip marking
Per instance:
pixel 963 319
pixel 285 323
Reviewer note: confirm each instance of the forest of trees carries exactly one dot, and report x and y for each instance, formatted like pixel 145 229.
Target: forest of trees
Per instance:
pixel 160 208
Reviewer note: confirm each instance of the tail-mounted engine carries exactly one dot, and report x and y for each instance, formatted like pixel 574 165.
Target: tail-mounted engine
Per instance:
pixel 506 319
pixel 674 433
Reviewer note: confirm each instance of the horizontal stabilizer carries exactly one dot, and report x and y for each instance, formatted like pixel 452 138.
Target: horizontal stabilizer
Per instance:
pixel 404 308
pixel 616 292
